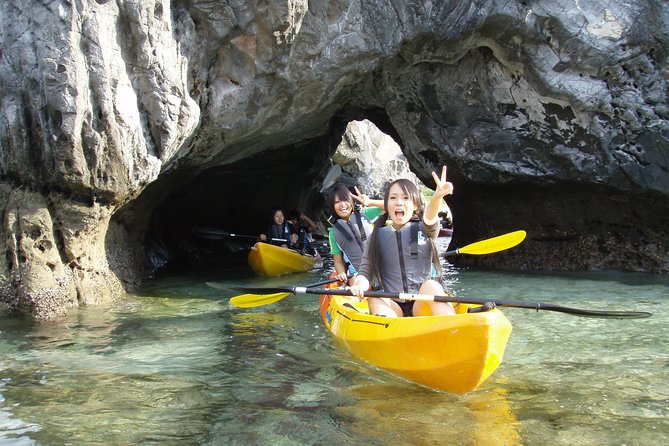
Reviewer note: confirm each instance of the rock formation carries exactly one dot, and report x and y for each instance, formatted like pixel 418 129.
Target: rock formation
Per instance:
pixel 370 159
pixel 124 123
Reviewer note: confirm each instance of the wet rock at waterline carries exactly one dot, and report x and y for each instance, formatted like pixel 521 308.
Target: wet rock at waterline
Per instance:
pixel 122 125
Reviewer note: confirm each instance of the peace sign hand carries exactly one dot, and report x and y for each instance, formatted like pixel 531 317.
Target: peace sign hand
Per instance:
pixel 442 187
pixel 360 197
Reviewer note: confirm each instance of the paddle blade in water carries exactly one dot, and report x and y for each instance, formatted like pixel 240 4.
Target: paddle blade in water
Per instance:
pixel 218 286
pixel 256 300
pixel 209 232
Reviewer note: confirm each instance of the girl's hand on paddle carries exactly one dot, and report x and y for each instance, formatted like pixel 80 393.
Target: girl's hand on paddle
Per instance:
pixel 442 187
pixel 342 277
pixel 263 237
pixel 359 286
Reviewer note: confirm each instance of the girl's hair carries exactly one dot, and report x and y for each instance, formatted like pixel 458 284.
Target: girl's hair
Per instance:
pixel 343 194
pixel 409 188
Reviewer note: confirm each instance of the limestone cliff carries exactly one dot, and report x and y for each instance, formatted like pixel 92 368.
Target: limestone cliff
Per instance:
pixel 370 159
pixel 124 122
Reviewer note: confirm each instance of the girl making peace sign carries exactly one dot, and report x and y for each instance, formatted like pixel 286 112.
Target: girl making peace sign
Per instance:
pixel 402 256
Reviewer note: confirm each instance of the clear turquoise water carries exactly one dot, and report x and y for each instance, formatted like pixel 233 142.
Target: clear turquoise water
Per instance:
pixel 176 364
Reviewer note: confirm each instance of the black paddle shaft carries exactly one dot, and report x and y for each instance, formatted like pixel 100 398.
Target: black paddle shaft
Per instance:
pixel 454 299
pixel 215 234
pixel 223 286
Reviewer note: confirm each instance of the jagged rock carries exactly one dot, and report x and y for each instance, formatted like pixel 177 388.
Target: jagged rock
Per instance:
pixel 370 159
pixel 124 123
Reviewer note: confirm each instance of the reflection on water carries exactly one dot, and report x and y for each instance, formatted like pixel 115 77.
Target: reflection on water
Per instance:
pixel 175 364
pixel 412 415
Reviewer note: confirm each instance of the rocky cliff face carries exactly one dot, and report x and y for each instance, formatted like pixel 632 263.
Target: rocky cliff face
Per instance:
pixel 124 123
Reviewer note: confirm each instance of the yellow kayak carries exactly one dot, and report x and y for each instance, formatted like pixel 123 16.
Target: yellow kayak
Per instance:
pixel 451 353
pixel 271 260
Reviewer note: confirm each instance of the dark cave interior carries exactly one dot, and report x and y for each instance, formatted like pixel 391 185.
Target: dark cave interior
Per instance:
pixel 237 198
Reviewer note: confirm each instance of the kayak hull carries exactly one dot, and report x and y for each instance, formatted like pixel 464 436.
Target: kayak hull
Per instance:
pixel 445 232
pixel 455 354
pixel 270 260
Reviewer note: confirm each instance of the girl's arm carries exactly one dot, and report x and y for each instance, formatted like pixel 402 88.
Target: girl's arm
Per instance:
pixel 337 257
pixel 310 222
pixel 442 188
pixel 340 267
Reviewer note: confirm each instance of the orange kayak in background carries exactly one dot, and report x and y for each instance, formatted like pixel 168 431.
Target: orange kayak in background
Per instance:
pixel 270 260
pixel 451 353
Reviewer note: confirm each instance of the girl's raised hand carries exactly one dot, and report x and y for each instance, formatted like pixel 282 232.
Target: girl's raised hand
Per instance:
pixel 360 197
pixel 442 187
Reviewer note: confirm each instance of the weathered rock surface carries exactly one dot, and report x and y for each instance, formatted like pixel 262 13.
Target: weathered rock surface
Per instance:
pixel 124 123
pixel 370 159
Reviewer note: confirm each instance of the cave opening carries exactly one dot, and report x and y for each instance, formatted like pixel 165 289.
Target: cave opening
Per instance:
pixel 191 224
pixel 239 198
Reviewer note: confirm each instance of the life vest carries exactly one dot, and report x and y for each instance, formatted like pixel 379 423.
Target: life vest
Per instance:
pixel 405 258
pixel 278 231
pixel 351 236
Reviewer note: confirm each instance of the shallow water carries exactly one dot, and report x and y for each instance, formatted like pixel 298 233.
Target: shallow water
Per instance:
pixel 175 364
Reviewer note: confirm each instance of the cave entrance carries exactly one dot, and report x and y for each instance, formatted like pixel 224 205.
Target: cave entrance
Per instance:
pixel 239 197
pixel 190 224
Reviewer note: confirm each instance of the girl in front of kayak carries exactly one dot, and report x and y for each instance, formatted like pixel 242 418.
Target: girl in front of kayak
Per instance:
pixel 402 256
pixel 351 227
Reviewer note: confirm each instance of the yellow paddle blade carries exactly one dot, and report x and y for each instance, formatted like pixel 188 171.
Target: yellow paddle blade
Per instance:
pixel 495 244
pixel 256 300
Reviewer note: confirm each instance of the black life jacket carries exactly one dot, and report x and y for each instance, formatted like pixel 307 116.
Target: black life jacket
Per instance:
pixel 351 237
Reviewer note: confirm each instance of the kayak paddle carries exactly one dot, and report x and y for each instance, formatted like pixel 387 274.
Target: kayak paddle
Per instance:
pixel 334 173
pixel 260 299
pixel 487 246
pixel 431 297
pixel 215 234
pixel 491 245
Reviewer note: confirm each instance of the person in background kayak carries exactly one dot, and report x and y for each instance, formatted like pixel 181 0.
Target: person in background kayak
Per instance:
pixel 351 227
pixel 402 256
pixel 302 226
pixel 445 220
pixel 279 229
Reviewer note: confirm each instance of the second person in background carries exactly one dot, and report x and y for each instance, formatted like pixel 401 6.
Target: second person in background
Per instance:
pixel 302 226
